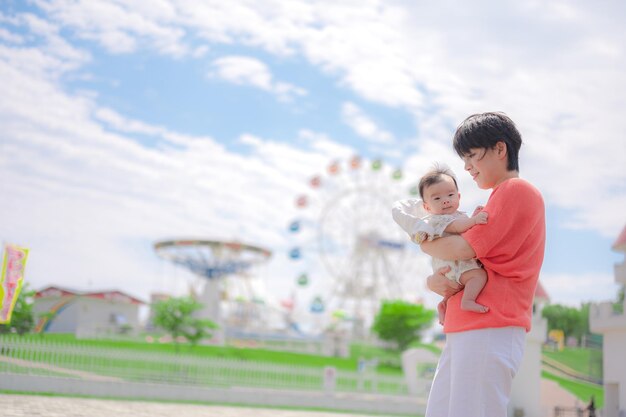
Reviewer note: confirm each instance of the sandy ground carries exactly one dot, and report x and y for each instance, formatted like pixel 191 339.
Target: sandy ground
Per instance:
pixel 34 405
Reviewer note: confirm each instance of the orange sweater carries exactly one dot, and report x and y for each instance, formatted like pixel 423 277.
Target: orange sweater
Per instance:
pixel 511 247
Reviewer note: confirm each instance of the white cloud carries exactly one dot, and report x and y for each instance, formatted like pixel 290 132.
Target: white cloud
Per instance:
pixel 85 195
pixel 574 289
pixel 249 71
pixel 119 122
pixel 121 27
pixel 605 48
pixel 354 117
pixel 54 56
pixel 325 145
pixel 7 36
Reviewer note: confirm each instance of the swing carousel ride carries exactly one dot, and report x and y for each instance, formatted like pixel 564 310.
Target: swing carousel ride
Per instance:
pixel 225 277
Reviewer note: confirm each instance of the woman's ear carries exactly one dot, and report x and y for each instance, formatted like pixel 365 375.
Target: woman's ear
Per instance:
pixel 501 149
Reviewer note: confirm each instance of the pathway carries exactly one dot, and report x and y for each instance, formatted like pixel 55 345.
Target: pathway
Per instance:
pixel 32 405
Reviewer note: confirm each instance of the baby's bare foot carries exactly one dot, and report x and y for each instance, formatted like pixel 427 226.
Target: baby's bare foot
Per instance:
pixel 469 305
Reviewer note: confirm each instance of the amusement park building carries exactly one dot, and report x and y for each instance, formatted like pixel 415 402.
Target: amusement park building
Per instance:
pixel 526 390
pixel 62 310
pixel 610 321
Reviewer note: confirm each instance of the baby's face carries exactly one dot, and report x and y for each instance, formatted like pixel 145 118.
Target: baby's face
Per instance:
pixel 442 197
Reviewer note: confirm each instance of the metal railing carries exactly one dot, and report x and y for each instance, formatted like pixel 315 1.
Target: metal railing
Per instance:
pixel 573 412
pixel 562 369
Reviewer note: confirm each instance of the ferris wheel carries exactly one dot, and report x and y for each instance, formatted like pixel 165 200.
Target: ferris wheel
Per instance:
pixel 344 220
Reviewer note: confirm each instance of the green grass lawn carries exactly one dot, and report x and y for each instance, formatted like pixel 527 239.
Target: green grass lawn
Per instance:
pixel 382 361
pixel 581 390
pixel 134 360
pixel 581 360
pixel 584 361
pixel 259 355
pixel 388 361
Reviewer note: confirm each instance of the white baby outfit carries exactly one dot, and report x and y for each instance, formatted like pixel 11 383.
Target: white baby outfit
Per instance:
pixel 421 226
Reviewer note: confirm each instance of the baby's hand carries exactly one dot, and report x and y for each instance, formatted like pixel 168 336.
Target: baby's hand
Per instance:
pixel 477 210
pixel 420 237
pixel 481 218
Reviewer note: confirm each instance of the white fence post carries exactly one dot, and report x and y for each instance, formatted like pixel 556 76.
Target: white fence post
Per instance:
pixel 330 379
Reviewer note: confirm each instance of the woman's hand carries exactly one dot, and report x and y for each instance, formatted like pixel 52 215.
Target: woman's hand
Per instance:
pixel 438 283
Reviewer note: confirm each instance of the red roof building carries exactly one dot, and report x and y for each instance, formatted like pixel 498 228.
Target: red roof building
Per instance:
pixel 620 243
pixel 114 295
pixel 85 313
pixel 541 293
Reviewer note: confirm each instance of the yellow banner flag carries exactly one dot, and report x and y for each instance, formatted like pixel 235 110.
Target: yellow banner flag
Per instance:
pixel 11 280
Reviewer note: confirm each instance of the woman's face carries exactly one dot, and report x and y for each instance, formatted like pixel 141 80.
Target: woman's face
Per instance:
pixel 485 165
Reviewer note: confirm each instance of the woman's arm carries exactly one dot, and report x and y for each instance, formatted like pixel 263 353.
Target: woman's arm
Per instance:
pixel 449 248
pixel 438 283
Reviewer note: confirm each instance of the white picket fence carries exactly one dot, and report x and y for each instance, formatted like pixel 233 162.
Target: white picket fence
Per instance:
pixel 82 361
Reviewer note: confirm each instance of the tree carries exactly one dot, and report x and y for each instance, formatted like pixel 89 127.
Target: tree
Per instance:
pixel 401 322
pixel 584 319
pixel 176 316
pixel 22 318
pixel 572 321
pixel 618 305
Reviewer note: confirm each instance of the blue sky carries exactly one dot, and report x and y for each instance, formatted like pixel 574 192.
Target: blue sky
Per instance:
pixel 126 124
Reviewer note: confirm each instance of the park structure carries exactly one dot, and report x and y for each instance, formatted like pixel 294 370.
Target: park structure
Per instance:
pixel 213 261
pixel 526 389
pixel 347 256
pixel 86 314
pixel 609 319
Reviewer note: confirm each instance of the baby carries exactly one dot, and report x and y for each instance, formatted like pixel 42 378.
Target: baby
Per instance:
pixel 440 200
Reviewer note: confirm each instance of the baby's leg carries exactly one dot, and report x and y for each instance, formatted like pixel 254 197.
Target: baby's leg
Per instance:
pixel 474 281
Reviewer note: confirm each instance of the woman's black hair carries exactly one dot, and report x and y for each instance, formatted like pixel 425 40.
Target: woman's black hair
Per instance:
pixel 484 130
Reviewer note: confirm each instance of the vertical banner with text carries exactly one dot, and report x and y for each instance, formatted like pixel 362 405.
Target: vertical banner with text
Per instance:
pixel 11 280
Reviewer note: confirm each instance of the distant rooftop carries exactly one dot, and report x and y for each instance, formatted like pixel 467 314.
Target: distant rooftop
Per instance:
pixel 541 293
pixel 620 243
pixel 112 295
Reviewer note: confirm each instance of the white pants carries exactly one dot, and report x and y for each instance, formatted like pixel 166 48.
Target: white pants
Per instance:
pixel 475 373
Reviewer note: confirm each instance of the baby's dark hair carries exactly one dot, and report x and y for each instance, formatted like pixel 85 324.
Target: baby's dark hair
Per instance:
pixel 435 176
pixel 484 130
